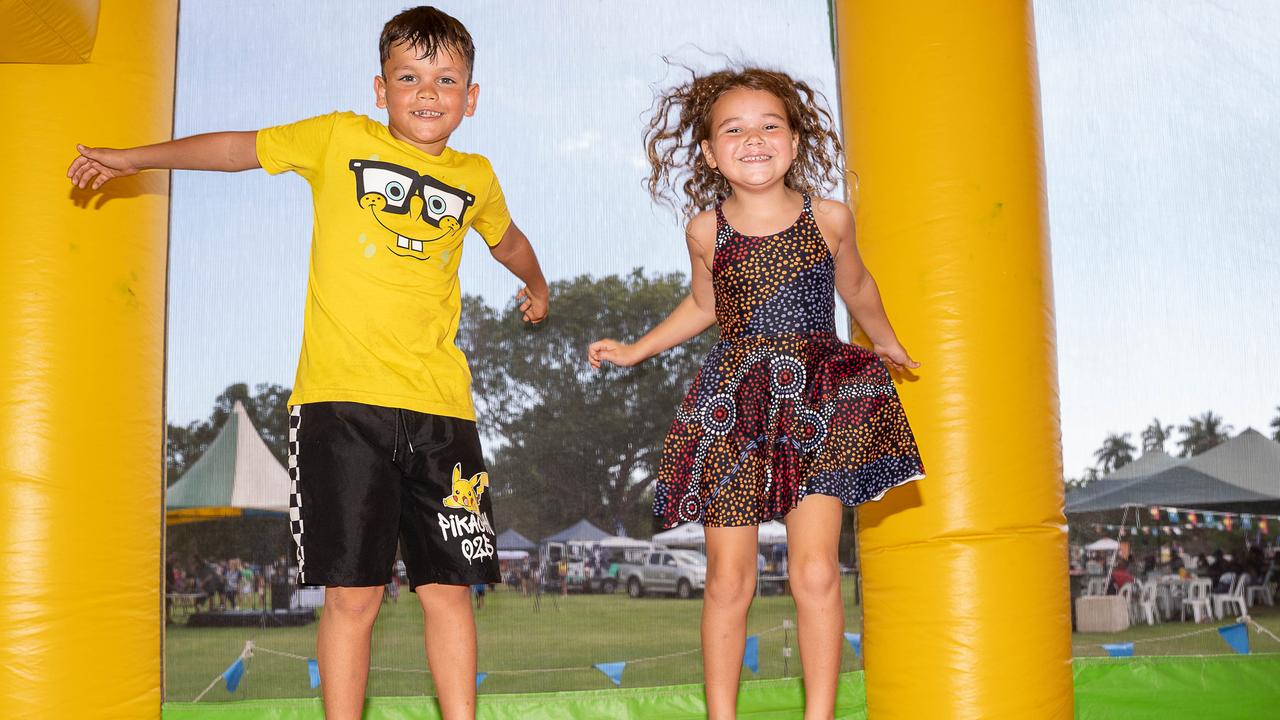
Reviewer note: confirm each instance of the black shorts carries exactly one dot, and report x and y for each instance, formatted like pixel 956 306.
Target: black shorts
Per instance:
pixel 365 476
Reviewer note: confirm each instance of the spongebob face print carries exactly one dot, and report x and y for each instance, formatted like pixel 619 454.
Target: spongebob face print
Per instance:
pixel 418 209
pixel 467 492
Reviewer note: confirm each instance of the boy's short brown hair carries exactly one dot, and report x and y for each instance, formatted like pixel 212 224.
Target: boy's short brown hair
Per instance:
pixel 429 30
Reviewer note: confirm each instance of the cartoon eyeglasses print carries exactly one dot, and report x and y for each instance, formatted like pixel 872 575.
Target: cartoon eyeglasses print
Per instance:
pixel 396 185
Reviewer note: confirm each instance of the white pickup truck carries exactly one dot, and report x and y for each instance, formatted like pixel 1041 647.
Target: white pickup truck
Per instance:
pixel 682 573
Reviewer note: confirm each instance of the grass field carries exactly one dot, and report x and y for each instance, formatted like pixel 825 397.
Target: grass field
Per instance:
pixel 530 649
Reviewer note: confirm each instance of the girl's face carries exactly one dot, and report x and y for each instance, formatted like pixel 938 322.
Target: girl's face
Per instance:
pixel 749 139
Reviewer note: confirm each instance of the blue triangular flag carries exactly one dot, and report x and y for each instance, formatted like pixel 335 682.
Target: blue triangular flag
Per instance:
pixel 1119 649
pixel 855 642
pixel 1237 636
pixel 480 678
pixel 751 654
pixel 313 670
pixel 233 674
pixel 613 671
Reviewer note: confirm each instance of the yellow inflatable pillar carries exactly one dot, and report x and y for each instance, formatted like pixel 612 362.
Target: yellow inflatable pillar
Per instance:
pixel 82 284
pixel 965 573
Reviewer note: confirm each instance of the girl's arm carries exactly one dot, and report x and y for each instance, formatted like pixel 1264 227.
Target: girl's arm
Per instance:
pixel 226 151
pixel 692 316
pixel 858 289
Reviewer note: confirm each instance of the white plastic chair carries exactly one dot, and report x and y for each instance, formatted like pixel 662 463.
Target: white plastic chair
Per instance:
pixel 1266 593
pixel 1096 586
pixel 1265 590
pixel 1198 599
pixel 1147 602
pixel 1126 592
pixel 1234 598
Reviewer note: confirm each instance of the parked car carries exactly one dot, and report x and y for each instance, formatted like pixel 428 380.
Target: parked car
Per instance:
pixel 682 573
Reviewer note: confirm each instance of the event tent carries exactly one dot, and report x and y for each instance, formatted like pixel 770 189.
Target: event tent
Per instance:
pixel 1241 474
pixel 237 475
pixel 581 531
pixel 511 539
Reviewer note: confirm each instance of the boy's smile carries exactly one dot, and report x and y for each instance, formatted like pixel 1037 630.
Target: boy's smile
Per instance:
pixel 425 97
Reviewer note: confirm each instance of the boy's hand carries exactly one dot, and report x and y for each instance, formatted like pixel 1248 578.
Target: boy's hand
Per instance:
pixel 533 305
pixel 613 352
pixel 95 166
pixel 896 357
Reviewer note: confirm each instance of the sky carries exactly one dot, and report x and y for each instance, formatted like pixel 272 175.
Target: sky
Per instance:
pixel 1161 146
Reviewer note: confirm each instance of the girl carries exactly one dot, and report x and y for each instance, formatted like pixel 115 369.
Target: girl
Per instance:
pixel 783 420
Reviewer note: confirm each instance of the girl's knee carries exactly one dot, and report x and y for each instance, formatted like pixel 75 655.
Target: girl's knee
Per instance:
pixel 814 577
pixel 730 588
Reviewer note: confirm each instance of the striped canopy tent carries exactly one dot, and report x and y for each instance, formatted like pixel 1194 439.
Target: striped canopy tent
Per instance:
pixel 236 476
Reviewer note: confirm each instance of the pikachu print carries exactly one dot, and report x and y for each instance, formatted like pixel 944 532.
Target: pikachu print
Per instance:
pixel 467 492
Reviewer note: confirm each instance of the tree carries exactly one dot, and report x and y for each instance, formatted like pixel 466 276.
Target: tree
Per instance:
pixel 1275 425
pixel 267 408
pixel 1155 435
pixel 1202 433
pixel 1086 479
pixel 1115 453
pixel 572 442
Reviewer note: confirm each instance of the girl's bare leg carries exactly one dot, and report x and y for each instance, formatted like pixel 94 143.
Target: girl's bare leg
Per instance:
pixel 731 584
pixel 813 536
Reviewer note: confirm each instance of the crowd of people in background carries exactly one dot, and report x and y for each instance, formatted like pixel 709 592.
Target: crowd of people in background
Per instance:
pixel 219 585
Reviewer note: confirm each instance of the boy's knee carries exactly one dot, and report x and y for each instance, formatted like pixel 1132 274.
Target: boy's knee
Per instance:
pixel 353 604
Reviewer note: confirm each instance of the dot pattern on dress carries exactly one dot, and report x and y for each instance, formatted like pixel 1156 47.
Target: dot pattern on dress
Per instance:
pixel 781 408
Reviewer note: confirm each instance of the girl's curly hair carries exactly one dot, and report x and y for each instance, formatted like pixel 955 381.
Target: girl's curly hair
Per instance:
pixel 680 176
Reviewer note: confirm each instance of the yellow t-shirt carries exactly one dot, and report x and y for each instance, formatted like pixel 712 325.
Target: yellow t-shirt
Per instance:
pixel 383 300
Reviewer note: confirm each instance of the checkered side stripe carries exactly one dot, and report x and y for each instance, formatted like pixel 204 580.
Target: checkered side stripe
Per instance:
pixel 295 493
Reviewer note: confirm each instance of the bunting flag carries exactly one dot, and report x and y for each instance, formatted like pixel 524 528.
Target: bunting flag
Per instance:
pixel 1262 527
pixel 1209 518
pixel 612 670
pixel 1237 636
pixel 1246 522
pixel 480 678
pixel 1191 518
pixel 751 654
pixel 233 674
pixel 1155 514
pixel 855 642
pixel 313 671
pixel 1173 515
pixel 1119 649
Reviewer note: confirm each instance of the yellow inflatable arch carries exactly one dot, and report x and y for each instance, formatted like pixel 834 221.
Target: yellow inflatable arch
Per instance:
pixel 940 108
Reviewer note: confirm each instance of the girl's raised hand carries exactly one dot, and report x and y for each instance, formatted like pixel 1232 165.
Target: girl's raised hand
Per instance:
pixel 97 165
pixel 896 357
pixel 613 352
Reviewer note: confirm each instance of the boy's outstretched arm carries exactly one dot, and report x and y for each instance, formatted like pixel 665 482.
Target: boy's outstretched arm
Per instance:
pixel 516 254
pixel 226 151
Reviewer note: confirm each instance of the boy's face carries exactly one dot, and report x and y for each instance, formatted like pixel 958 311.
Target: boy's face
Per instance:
pixel 425 98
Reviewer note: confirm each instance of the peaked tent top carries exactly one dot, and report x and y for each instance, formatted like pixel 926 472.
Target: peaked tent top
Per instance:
pixel 237 471
pixel 1151 462
pixel 1249 460
pixel 582 530
pixel 510 539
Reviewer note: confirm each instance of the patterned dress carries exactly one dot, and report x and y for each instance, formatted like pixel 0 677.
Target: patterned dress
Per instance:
pixel 781 407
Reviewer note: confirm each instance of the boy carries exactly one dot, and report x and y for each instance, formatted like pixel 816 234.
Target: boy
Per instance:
pixel 383 442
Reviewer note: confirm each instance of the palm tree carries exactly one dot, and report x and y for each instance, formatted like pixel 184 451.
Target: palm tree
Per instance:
pixel 1154 435
pixel 1202 433
pixel 1115 453
pixel 1275 425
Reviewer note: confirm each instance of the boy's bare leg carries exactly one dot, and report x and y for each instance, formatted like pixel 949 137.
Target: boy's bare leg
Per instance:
pixel 731 584
pixel 342 648
pixel 449 631
pixel 813 536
